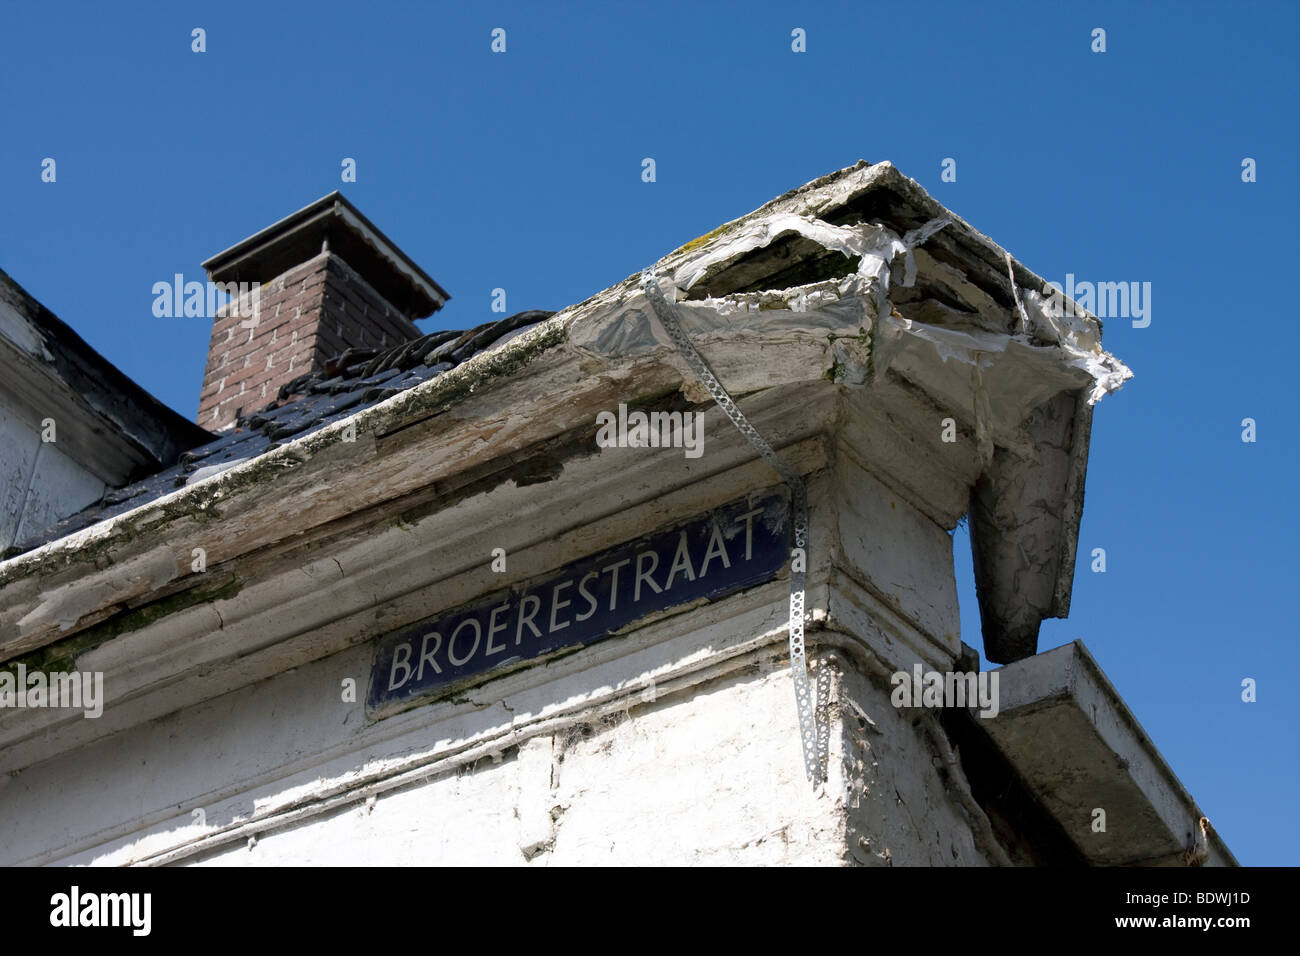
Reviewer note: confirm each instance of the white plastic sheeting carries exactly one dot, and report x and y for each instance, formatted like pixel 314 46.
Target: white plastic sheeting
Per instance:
pixel 1043 345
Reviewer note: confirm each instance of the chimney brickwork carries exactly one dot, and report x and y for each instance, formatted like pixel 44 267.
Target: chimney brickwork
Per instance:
pixel 309 307
pixel 309 314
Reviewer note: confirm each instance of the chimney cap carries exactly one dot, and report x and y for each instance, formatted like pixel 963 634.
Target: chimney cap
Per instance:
pixel 334 223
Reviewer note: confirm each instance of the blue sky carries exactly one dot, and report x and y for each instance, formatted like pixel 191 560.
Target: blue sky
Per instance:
pixel 523 171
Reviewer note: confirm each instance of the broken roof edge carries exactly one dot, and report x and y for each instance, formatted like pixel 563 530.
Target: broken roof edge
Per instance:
pixel 436 394
pixel 883 174
pixel 839 190
pixel 417 403
pixel 877 217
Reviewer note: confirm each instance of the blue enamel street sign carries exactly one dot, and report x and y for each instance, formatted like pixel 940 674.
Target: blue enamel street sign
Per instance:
pixel 734 547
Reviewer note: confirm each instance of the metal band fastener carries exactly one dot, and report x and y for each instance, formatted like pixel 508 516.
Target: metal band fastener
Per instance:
pixel 667 315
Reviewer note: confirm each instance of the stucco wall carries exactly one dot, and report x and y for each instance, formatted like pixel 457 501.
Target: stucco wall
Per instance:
pixel 709 777
pixel 711 773
pixel 676 742
pixel 39 484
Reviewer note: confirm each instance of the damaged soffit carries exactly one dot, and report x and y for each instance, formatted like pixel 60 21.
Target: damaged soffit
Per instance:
pixel 902 290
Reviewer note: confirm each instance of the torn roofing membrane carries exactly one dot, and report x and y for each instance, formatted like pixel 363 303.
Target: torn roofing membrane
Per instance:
pixel 849 304
pixel 926 297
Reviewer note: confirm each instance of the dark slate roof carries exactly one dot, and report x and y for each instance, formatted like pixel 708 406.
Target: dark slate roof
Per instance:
pixel 348 383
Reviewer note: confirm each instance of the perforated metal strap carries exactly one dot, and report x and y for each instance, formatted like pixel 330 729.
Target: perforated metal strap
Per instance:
pixel 666 312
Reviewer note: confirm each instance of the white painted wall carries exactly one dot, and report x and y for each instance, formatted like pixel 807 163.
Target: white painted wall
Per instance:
pixel 709 774
pixel 713 777
pixel 39 484
pixel 578 761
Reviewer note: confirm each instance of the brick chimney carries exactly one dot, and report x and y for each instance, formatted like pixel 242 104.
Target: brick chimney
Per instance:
pixel 329 281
